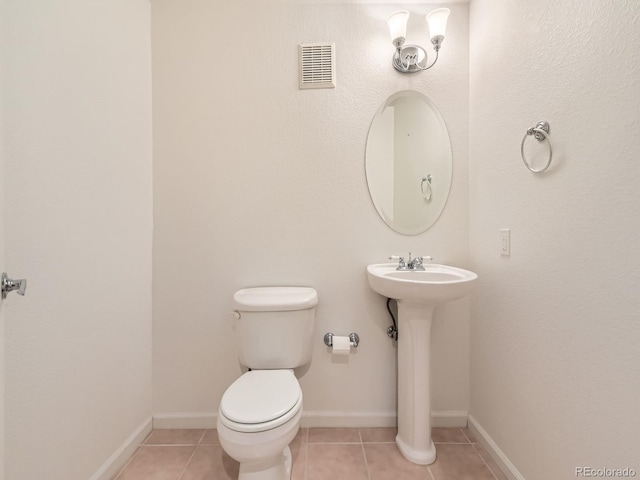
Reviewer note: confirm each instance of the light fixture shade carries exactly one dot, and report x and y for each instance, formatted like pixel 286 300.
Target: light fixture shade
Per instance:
pixel 437 20
pixel 398 26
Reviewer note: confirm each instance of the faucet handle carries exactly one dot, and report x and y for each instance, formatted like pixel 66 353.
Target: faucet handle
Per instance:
pixel 400 259
pixel 416 263
pixel 418 260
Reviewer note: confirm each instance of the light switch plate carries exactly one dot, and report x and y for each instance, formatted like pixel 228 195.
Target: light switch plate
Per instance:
pixel 505 242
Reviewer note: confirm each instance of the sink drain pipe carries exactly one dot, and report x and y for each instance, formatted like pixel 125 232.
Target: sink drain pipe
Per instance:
pixel 392 331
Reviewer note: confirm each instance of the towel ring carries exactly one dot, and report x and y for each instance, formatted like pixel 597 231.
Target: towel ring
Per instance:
pixel 427 196
pixel 541 133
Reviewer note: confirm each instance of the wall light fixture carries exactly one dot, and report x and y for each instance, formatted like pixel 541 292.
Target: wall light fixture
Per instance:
pixel 413 58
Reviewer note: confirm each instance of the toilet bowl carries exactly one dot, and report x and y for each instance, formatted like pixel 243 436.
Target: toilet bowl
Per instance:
pixel 257 433
pixel 259 414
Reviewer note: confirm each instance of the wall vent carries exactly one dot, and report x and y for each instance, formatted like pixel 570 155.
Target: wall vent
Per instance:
pixel 317 65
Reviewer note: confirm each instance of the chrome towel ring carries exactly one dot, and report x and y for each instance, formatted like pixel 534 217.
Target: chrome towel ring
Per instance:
pixel 541 133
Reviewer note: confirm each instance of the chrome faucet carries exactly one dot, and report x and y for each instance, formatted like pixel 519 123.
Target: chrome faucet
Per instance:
pixel 413 264
pixel 401 264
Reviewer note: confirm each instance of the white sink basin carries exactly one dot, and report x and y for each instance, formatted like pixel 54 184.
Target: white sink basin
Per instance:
pixel 434 285
pixel 418 293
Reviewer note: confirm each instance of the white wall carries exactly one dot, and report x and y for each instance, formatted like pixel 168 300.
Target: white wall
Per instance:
pixel 259 183
pixel 77 112
pixel 555 332
pixel 2 260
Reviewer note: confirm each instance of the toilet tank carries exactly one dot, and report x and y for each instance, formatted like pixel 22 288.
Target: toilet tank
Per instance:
pixel 274 326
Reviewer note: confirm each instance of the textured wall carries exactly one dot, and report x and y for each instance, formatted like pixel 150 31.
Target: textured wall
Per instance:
pixel 77 112
pixel 2 263
pixel 555 332
pixel 259 183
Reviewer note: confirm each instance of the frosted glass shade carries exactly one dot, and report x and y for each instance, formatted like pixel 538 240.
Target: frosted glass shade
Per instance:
pixel 398 25
pixel 437 20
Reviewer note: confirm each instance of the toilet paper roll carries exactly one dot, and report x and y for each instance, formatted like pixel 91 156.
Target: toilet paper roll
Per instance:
pixel 341 345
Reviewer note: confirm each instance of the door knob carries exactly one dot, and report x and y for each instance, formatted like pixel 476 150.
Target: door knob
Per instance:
pixel 9 285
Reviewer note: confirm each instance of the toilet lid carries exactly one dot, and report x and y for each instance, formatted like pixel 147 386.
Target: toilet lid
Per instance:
pixel 260 396
pixel 275 299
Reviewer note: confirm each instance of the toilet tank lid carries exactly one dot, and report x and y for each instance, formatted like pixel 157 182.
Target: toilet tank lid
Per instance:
pixel 275 298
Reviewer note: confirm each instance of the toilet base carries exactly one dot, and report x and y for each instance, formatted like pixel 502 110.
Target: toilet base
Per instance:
pixel 275 468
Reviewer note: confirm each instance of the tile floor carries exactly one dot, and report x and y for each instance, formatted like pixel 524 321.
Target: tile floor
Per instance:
pixel 318 454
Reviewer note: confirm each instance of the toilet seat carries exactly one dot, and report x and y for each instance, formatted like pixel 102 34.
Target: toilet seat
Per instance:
pixel 260 400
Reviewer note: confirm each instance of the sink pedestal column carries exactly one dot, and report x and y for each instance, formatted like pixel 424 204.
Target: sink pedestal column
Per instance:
pixel 414 401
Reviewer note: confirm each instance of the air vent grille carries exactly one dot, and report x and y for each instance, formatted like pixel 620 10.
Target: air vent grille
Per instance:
pixel 317 65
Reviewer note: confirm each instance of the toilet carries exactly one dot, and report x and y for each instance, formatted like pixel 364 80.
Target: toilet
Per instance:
pixel 259 414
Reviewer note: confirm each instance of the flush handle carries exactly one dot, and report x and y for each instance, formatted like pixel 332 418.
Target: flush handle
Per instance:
pixel 8 285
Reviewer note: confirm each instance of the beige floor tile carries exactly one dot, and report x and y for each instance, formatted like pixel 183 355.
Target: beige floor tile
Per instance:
pixel 301 437
pixel 385 462
pixel 174 436
pixel 335 462
pixel 459 462
pixel 469 435
pixel 210 462
pixel 493 466
pixel 317 454
pixel 299 461
pixel 379 435
pixel 157 463
pixel 448 435
pixel 210 437
pixel 334 435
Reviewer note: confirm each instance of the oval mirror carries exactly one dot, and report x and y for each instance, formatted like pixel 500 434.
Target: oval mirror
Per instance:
pixel 408 162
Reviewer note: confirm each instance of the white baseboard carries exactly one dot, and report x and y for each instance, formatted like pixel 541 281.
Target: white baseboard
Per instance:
pixel 492 448
pixel 449 418
pixel 185 420
pixel 376 419
pixel 313 419
pixel 123 453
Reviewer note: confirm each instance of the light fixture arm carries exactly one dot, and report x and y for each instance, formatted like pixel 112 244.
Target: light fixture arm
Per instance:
pixel 432 64
pixel 413 58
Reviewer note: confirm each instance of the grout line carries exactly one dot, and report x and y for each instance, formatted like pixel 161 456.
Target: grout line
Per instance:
pixel 452 443
pixel 306 440
pixel 173 445
pixel 147 437
pixel 306 461
pixel 431 473
pixel 188 462
pixel 364 456
pixel 204 432
pixel 466 436
pixel 335 443
pixel 124 467
pixel 304 443
pixel 488 467
pixel 355 442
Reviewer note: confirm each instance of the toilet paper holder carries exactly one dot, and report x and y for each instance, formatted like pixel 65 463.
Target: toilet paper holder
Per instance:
pixel 354 339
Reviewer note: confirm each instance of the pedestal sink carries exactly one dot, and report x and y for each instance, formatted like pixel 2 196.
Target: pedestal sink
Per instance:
pixel 417 294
